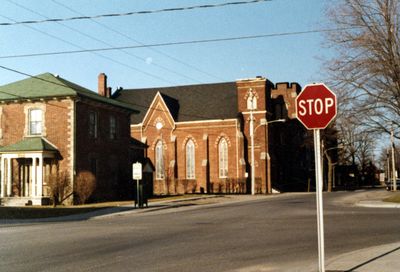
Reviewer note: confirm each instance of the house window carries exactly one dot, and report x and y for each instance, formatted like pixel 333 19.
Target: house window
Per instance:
pixel 159 160
pixel 190 158
pixel 223 158
pixel 113 128
pixel 93 123
pixel 35 121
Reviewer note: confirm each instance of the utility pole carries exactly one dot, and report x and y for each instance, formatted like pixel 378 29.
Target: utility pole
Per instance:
pixel 393 163
pixel 252 146
pixel 388 166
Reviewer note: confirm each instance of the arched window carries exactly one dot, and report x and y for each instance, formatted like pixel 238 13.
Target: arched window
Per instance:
pixel 190 159
pixel 159 160
pixel 251 102
pixel 223 158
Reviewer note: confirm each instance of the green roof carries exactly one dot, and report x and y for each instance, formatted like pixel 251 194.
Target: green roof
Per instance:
pixel 29 144
pixel 46 86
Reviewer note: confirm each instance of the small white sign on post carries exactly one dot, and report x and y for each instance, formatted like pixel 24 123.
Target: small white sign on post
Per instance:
pixel 137 171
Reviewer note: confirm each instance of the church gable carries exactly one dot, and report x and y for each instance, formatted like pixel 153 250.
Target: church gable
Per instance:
pixel 158 115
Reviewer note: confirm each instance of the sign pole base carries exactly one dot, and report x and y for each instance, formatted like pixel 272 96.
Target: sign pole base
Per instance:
pixel 319 185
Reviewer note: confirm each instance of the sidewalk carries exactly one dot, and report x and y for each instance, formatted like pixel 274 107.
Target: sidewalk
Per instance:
pixel 374 199
pixel 384 258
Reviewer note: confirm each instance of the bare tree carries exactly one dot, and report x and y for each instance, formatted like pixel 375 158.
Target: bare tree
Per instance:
pixel 357 143
pixel 357 148
pixel 59 184
pixel 366 70
pixel 85 185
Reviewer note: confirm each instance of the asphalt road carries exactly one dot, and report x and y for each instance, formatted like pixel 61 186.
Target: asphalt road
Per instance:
pixel 276 233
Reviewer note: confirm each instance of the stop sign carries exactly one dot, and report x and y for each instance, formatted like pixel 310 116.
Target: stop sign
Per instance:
pixel 316 106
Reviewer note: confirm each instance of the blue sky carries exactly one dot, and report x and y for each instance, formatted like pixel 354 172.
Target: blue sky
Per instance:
pixel 287 58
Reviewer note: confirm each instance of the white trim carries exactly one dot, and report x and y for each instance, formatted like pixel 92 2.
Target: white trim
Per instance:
pixel 201 127
pixel 1 123
pixel 73 142
pixel 207 121
pixel 2 176
pixel 140 125
pixel 10 177
pixel 254 112
pixel 137 125
pixel 251 79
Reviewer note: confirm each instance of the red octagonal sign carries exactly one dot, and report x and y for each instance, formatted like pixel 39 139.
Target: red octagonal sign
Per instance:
pixel 316 106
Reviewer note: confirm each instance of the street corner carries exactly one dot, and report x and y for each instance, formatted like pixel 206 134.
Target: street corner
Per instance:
pixel 384 258
pixel 377 204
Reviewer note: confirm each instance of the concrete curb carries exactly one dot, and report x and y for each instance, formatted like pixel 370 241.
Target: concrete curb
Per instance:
pixel 377 204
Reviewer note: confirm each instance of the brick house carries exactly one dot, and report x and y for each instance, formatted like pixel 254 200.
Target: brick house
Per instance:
pixel 49 124
pixel 198 136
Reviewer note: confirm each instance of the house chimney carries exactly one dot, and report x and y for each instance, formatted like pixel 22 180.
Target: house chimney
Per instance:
pixel 108 93
pixel 102 84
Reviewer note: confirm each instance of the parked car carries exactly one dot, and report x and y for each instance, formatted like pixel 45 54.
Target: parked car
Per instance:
pixel 389 184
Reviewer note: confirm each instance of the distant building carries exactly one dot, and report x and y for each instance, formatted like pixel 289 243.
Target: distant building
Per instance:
pixel 48 124
pixel 198 136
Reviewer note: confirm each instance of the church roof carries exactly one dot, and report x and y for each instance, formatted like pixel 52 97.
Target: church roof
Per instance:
pixel 186 103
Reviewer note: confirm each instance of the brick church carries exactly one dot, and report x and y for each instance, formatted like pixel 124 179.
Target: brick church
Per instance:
pixel 199 140
pixel 192 139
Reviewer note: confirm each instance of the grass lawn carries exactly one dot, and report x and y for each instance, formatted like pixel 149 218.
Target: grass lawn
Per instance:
pixel 33 212
pixel 394 198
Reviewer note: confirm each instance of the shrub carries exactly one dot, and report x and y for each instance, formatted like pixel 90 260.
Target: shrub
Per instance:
pixel 59 185
pixel 85 185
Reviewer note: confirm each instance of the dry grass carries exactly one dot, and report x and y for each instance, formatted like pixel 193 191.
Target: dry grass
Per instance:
pixel 34 212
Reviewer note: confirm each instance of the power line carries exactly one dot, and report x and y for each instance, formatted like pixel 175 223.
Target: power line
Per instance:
pixel 62 85
pixel 238 38
pixel 95 53
pixel 108 44
pixel 139 42
pixel 136 12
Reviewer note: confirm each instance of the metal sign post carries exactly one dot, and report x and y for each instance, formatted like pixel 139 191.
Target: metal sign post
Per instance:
pixel 137 175
pixel 316 107
pixel 320 208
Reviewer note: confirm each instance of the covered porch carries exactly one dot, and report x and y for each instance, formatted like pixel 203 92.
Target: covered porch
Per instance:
pixel 25 166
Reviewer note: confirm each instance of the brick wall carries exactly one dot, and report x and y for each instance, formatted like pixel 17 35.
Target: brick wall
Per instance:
pixel 56 125
pixel 108 158
pixel 56 129
pixel 206 136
